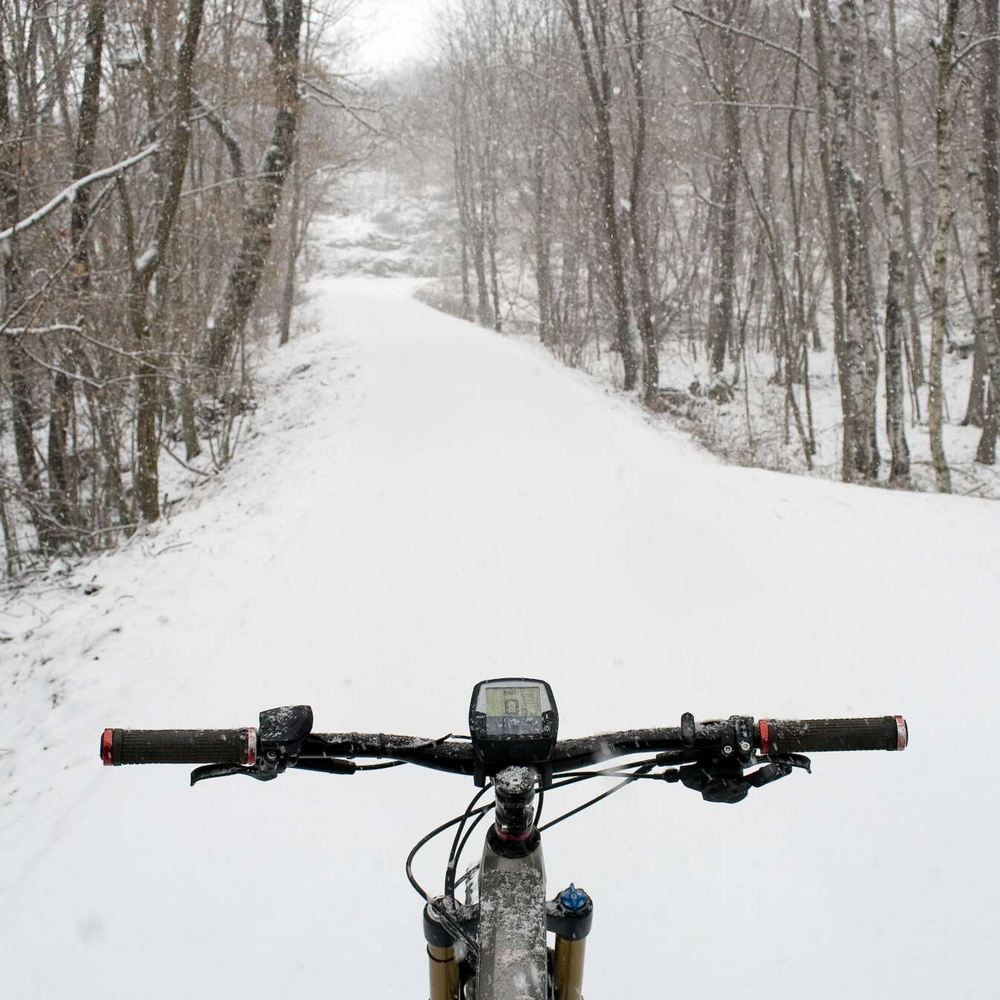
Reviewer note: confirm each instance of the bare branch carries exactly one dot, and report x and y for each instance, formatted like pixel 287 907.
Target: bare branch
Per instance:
pixel 972 47
pixel 331 99
pixel 748 34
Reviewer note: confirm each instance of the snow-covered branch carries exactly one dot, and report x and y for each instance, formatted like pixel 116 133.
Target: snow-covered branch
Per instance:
pixel 16 331
pixel 69 193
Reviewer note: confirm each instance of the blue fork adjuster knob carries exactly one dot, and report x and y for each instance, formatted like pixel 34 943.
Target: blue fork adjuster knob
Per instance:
pixel 573 899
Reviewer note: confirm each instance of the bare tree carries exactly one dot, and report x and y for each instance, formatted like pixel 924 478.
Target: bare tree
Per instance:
pixel 894 331
pixel 724 74
pixel 634 33
pixel 986 452
pixel 244 278
pixel 944 48
pixel 592 29
pixel 124 136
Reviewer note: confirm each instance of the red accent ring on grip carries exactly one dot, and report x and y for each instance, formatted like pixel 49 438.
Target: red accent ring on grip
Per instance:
pixel 251 746
pixel 107 739
pixel 902 733
pixel 765 736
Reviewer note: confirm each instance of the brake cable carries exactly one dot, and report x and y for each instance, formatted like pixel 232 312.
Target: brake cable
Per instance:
pixel 449 876
pixel 641 769
pixel 597 798
pixel 465 840
pixel 428 837
pixel 572 778
pixel 446 921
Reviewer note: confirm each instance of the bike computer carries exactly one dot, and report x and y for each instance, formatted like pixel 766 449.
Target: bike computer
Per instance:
pixel 512 720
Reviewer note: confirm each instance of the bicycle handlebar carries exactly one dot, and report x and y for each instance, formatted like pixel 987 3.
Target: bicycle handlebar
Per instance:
pixel 241 746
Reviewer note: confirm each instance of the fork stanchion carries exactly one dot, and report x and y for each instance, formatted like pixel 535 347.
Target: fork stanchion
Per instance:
pixel 568 968
pixel 570 916
pixel 443 972
pixel 441 961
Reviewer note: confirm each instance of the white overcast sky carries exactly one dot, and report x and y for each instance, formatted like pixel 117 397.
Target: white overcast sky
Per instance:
pixel 392 31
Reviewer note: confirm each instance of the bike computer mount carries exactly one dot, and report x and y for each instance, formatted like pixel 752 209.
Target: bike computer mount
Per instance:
pixel 513 721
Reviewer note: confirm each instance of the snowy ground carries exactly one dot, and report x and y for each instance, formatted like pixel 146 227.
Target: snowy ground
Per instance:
pixel 428 504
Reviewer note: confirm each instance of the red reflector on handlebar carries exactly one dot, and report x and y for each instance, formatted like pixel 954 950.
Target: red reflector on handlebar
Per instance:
pixel 106 741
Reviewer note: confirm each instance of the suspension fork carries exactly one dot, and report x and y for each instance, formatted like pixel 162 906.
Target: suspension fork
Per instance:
pixel 569 917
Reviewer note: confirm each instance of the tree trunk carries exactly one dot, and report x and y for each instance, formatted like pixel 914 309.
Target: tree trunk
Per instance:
pixel 911 259
pixel 464 265
pixel 492 235
pixel 543 267
pixel 793 201
pixel 63 499
pixel 723 290
pixel 462 185
pixel 817 15
pixel 853 328
pixel 22 402
pixel 986 452
pixel 895 389
pixel 643 297
pixel 775 252
pixel 943 114
pixel 975 409
pixel 13 555
pixel 479 265
pixel 291 259
pixel 63 492
pixel 143 269
pixel 244 278
pixel 596 66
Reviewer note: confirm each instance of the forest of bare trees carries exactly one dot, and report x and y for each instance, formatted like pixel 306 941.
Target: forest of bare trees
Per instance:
pixel 801 196
pixel 750 184
pixel 159 163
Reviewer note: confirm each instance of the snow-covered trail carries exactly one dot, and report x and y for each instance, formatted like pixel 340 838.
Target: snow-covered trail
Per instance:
pixel 431 504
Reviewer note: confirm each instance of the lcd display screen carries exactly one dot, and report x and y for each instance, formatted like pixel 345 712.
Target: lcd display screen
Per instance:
pixel 513 710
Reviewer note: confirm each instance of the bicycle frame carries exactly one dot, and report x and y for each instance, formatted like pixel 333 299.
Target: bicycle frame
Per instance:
pixel 513 957
pixel 512 919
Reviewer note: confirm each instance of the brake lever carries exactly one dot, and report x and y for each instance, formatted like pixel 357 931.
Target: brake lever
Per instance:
pixel 224 770
pixel 778 765
pixel 280 735
pixel 271 769
pixel 725 780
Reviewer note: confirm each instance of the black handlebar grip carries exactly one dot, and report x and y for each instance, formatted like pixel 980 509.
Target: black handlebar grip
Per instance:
pixel 888 732
pixel 179 746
